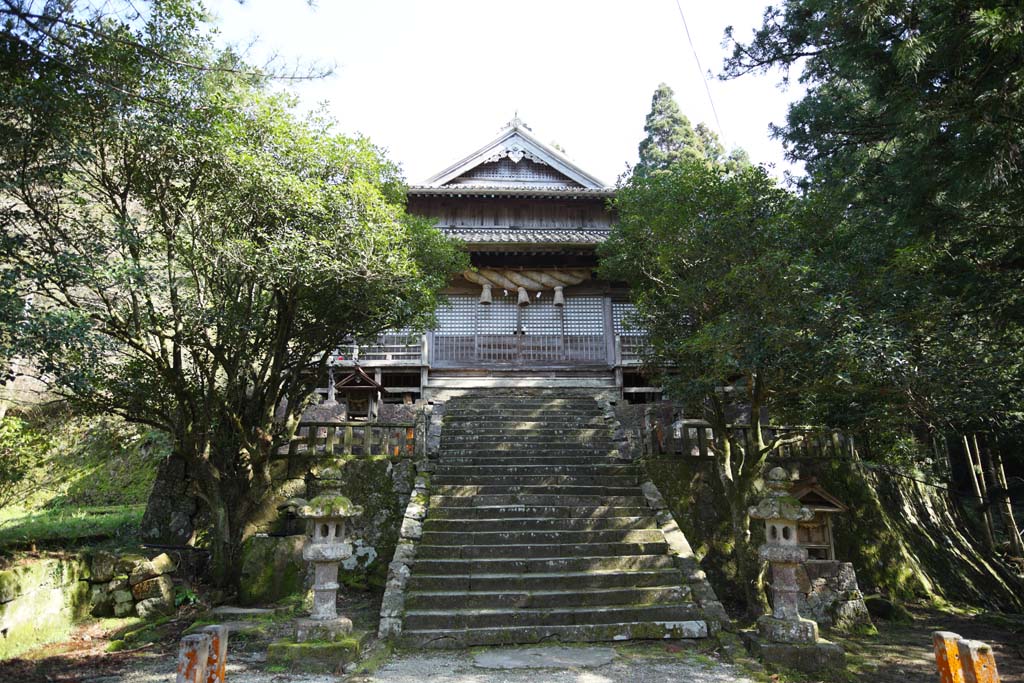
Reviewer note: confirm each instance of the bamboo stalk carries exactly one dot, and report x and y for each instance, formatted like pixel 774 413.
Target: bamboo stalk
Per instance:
pixel 986 518
pixel 1005 504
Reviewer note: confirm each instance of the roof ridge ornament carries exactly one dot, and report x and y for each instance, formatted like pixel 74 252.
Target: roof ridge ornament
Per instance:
pixel 516 122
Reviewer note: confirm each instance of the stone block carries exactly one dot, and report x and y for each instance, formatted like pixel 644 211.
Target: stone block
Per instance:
pixel 101 602
pixel 307 630
pixel 157 587
pixel 815 658
pixel 152 607
pixel 314 657
pixel 411 528
pixel 272 569
pixel 774 630
pixel 103 566
pixel 124 609
pixel 393 604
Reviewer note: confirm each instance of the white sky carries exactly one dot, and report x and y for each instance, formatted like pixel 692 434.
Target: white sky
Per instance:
pixel 433 80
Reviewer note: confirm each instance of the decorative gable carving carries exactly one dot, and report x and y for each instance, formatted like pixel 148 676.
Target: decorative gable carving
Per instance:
pixel 515 146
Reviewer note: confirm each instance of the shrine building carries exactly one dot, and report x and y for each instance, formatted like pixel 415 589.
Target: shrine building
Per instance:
pixel 531 311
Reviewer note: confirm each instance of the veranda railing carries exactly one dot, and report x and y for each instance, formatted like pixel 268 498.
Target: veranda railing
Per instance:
pixel 666 432
pixel 393 439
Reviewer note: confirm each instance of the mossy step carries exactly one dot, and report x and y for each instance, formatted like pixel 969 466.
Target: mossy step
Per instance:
pixel 510 469
pixel 503 599
pixel 537 429
pixel 593 440
pixel 500 512
pixel 536 480
pixel 483 422
pixel 540 524
pixel 449 638
pixel 543 565
pixel 511 618
pixel 544 537
pixel 572 581
pixel 535 499
pixel 540 550
pixel 536 451
pixel 510 489
pixel 521 460
pixel 323 657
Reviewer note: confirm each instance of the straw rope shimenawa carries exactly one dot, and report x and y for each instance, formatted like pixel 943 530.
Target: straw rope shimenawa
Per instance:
pixel 523 281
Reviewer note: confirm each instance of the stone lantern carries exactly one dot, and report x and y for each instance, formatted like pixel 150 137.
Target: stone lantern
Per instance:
pixel 327 517
pixel 784 637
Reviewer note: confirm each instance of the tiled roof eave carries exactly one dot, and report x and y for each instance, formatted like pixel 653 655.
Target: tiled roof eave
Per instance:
pixel 537 192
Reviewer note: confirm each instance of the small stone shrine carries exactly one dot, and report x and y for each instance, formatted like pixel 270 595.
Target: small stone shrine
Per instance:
pixel 327 547
pixel 784 637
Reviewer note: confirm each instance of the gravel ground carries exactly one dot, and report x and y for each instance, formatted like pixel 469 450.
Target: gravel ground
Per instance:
pixel 457 667
pixel 633 664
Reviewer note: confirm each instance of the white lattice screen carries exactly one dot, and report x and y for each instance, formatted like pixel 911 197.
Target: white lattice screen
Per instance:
pixel 622 315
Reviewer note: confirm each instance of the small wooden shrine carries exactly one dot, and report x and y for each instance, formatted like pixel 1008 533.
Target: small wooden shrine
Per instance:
pixel 815 534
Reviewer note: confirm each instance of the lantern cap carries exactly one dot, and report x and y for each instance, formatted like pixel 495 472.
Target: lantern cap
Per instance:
pixel 779 503
pixel 330 505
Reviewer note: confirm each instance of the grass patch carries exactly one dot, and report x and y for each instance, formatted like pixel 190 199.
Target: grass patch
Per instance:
pixel 68 525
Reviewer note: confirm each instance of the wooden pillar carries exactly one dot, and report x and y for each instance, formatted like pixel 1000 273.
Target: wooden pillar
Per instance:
pixel 217 662
pixel 608 328
pixel 193 655
pixel 978 662
pixel 947 657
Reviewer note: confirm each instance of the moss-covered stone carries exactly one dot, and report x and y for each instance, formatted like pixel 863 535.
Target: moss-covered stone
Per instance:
pixel 41 601
pixel 314 656
pixel 272 569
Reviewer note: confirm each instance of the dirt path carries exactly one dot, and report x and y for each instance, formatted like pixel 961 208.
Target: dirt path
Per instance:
pixel 900 654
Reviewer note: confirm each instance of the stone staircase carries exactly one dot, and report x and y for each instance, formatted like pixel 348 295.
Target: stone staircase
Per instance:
pixel 537 530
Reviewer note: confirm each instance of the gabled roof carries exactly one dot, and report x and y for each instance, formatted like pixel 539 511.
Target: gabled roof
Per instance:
pixel 357 379
pixel 517 145
pixel 813 495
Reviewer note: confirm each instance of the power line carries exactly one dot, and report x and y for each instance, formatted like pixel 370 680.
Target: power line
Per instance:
pixel 700 68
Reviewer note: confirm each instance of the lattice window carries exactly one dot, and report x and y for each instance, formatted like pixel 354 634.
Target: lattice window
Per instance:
pixel 542 316
pixel 584 316
pixel 623 314
pixel 456 317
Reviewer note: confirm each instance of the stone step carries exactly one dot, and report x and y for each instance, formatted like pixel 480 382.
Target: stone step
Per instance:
pixel 546 468
pixel 449 638
pixel 575 581
pixel 492 401
pixel 517 428
pixel 545 499
pixel 521 412
pixel 543 537
pixel 499 512
pixel 515 489
pixel 505 458
pixel 511 449
pixel 543 565
pixel 536 480
pixel 550 423
pixel 438 600
pixel 536 550
pixel 485 440
pixel 539 524
pixel 506 618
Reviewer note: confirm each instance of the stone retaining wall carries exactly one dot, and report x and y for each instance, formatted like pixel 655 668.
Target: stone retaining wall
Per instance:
pixel 40 600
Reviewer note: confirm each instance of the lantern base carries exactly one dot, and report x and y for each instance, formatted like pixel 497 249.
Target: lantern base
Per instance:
pixel 797 631
pixel 322 629
pixel 808 657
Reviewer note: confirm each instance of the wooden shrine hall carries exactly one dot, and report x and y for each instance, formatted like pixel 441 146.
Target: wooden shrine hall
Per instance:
pixel 531 312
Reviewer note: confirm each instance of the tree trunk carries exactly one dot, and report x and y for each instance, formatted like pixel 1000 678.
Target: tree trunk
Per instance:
pixel 749 568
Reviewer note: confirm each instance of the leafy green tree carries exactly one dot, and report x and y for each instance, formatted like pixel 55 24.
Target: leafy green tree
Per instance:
pixel 716 261
pixel 910 129
pixel 194 248
pixel 670 137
